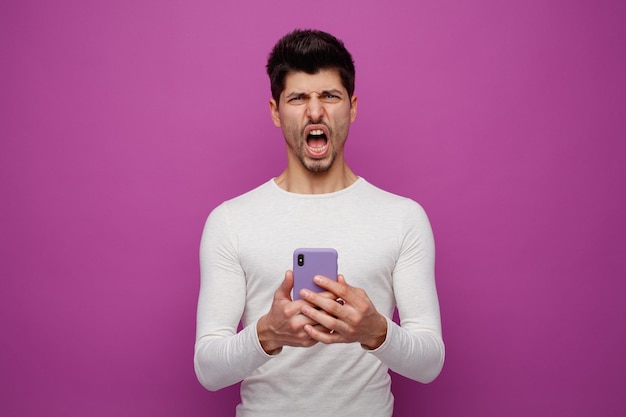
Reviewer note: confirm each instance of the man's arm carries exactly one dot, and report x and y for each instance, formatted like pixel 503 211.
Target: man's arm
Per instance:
pixel 415 349
pixel 222 356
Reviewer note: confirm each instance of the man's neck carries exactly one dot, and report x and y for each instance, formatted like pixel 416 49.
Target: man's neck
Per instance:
pixel 302 181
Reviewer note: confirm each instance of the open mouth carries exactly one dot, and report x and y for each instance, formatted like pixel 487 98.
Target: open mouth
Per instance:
pixel 317 142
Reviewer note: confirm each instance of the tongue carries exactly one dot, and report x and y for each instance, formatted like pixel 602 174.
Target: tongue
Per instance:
pixel 318 142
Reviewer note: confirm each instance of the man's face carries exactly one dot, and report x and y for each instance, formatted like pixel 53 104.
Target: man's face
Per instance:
pixel 314 114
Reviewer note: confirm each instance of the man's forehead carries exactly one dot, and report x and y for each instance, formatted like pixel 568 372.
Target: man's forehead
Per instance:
pixel 323 80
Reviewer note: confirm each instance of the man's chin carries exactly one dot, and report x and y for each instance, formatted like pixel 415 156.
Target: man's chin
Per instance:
pixel 318 166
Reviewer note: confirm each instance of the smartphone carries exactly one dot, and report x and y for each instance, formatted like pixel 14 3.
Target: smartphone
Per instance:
pixel 309 262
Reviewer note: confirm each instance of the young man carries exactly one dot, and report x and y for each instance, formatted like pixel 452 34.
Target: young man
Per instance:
pixel 327 353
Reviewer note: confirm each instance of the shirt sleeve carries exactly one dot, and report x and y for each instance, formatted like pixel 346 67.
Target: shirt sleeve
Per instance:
pixel 415 348
pixel 223 356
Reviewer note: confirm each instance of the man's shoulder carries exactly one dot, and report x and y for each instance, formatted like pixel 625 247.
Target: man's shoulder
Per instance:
pixel 251 198
pixel 259 192
pixel 388 197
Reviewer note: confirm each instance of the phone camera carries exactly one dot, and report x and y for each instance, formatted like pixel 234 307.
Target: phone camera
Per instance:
pixel 300 259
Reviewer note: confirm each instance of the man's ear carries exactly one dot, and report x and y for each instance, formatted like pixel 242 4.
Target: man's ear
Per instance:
pixel 353 105
pixel 274 112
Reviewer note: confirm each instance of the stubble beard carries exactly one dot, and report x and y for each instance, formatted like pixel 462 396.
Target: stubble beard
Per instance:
pixel 314 165
pixel 317 166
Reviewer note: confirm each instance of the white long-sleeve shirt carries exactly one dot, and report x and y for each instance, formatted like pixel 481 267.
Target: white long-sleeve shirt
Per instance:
pixel 385 246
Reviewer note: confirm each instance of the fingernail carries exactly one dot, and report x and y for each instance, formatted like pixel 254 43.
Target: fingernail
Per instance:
pixel 318 278
pixel 305 293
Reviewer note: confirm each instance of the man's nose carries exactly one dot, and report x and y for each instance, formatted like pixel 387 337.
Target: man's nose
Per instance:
pixel 315 108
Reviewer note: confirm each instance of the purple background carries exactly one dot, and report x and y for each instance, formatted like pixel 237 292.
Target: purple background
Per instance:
pixel 123 123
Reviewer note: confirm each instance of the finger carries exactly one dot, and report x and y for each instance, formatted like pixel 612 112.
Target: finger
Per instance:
pixel 321 317
pixel 325 302
pixel 323 336
pixel 340 288
pixel 341 279
pixel 327 294
pixel 284 290
pixel 305 293
pixel 321 328
pixel 336 287
pixel 305 296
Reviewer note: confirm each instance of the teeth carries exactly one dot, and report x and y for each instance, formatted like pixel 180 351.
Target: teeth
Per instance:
pixel 317 132
pixel 318 149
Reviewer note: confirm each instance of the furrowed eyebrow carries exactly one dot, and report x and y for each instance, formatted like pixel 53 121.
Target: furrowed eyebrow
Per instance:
pixel 297 94
pixel 333 92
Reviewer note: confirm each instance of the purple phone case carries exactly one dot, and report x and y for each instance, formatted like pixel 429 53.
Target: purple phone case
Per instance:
pixel 317 261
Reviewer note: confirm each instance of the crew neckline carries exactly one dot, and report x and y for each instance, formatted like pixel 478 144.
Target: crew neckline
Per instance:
pixel 348 189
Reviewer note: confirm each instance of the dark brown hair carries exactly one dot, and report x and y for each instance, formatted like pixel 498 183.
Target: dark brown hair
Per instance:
pixel 309 51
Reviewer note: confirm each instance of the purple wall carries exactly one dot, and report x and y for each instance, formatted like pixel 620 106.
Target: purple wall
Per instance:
pixel 123 123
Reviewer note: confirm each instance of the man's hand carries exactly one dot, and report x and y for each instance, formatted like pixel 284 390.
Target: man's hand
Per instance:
pixel 284 324
pixel 350 314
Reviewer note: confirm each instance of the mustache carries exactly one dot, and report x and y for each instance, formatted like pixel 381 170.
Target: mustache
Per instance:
pixel 311 122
